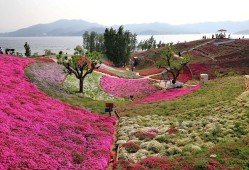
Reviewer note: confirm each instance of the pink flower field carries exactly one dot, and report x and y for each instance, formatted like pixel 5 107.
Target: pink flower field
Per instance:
pixel 39 132
pixel 121 87
pixel 169 94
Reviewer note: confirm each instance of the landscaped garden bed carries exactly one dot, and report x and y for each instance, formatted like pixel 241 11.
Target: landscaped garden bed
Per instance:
pixel 169 94
pixel 175 136
pixel 121 87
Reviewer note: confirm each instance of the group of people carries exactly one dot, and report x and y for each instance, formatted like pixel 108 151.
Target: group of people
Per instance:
pixel 168 82
pixel 8 51
pixel 220 36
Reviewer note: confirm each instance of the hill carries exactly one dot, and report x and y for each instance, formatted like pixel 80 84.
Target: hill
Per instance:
pixel 57 28
pixel 78 27
pixel 243 32
pixel 212 27
pixel 229 57
pixel 157 28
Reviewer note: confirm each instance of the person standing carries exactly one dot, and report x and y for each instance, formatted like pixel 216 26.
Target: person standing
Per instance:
pixel 1 50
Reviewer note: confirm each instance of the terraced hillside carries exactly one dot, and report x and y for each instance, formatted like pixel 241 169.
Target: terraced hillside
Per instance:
pixel 209 56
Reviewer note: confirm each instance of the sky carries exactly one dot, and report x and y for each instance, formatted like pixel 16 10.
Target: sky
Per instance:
pixel 17 14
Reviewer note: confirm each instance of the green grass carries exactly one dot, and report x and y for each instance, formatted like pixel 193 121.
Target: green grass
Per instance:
pixel 213 93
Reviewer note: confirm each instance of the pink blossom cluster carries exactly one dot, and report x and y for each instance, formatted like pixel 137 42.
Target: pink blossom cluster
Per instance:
pixel 169 94
pixel 145 135
pixel 39 132
pixel 185 75
pixel 121 87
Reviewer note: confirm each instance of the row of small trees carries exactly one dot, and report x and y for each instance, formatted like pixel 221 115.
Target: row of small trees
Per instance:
pixel 115 44
pixel 93 41
pixel 149 43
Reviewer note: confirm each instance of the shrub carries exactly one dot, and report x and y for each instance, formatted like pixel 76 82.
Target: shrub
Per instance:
pixel 200 164
pixel 238 129
pixel 122 164
pixel 173 150
pixel 213 164
pixel 144 135
pixel 155 146
pixel 131 147
pixel 156 163
pixel 172 130
pixel 162 139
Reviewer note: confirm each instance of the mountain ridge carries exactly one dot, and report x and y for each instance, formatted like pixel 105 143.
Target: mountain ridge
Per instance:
pixel 77 27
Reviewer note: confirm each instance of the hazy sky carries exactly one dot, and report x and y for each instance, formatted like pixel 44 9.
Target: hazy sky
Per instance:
pixel 16 14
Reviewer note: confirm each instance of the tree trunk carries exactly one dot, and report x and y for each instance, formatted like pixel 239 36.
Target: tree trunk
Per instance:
pixel 81 85
pixel 173 77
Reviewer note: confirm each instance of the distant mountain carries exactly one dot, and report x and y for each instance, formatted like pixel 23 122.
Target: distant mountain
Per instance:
pixel 243 32
pixel 212 27
pixel 78 27
pixel 57 28
pixel 157 29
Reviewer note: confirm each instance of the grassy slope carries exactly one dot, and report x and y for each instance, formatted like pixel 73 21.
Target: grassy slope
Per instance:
pixel 211 93
pixel 213 106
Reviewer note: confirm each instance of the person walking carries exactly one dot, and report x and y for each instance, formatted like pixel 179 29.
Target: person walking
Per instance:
pixel 1 50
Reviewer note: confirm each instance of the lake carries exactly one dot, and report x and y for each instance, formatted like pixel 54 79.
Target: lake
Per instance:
pixel 67 44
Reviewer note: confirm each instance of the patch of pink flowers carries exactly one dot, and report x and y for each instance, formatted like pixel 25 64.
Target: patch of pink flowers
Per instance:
pixel 39 132
pixel 185 75
pixel 121 87
pixel 198 68
pixel 169 94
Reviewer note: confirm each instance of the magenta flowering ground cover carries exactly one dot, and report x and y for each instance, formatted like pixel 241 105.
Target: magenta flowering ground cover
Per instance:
pixel 169 94
pixel 122 87
pixel 39 132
